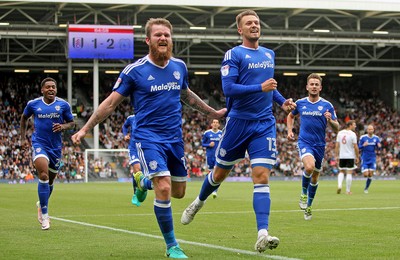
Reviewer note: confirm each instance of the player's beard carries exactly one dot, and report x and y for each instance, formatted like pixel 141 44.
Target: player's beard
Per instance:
pixel 160 56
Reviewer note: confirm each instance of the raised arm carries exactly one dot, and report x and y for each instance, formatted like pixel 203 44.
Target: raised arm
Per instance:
pixel 99 115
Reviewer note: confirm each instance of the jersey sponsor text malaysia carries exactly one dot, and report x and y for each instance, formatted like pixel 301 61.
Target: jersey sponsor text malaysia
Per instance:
pixel 44 116
pixel 155 96
pixel 368 154
pixel 243 66
pixel 208 137
pixel 313 122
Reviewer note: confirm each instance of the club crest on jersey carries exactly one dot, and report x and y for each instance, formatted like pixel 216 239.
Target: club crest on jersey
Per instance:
pixel 177 75
pixel 153 165
pixel 268 55
pixel 320 108
pixel 38 150
pixel 225 70
pixel 222 152
pixel 58 108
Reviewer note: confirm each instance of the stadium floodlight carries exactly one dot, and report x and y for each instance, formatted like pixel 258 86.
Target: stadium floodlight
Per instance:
pixel 198 28
pixel 380 32
pixel 4 24
pixel 321 30
pixel 290 74
pixel 345 75
pixel 112 72
pixel 136 26
pixel 201 73
pixel 81 71
pixel 321 74
pixel 50 71
pixel 21 71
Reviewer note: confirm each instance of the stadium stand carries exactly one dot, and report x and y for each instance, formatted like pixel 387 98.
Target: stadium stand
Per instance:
pixel 357 104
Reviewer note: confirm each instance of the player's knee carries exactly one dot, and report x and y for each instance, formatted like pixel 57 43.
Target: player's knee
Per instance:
pixel 309 168
pixel 43 176
pixel 164 190
pixel 178 194
pixel 220 174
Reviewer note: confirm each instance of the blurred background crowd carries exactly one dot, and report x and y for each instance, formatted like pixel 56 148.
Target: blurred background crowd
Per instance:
pixel 350 100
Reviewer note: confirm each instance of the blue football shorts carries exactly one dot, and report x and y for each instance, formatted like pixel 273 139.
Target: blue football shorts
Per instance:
pixel 368 166
pixel 211 162
pixel 257 137
pixel 133 157
pixel 163 159
pixel 52 155
pixel 318 152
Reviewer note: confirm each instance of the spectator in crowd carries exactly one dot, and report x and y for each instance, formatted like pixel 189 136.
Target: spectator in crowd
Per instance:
pixel 286 168
pixel 370 110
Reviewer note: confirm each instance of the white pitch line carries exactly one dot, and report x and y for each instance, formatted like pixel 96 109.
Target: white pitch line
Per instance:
pixel 234 250
pixel 236 212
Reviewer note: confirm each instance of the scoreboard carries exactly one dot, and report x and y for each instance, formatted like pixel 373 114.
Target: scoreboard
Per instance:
pixel 100 41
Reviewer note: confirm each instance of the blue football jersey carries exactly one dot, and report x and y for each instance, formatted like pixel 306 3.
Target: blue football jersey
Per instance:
pixel 208 137
pixel 44 116
pixel 242 72
pixel 129 125
pixel 312 120
pixel 155 96
pixel 368 152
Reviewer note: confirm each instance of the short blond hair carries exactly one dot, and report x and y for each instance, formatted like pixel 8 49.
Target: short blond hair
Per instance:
pixel 314 76
pixel 159 21
pixel 243 14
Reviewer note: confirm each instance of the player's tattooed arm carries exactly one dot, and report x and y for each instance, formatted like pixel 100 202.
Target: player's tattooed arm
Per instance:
pixel 191 99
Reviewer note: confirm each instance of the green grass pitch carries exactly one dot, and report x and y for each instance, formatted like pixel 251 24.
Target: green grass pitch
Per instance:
pixel 97 221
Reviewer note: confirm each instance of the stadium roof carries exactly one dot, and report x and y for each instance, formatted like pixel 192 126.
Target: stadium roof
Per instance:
pixel 358 5
pixel 340 36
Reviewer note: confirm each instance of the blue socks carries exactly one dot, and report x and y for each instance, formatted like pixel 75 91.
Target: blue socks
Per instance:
pixel 147 184
pixel 51 190
pixel 369 180
pixel 163 211
pixel 261 205
pixel 305 181
pixel 308 188
pixel 44 194
pixel 209 185
pixel 312 189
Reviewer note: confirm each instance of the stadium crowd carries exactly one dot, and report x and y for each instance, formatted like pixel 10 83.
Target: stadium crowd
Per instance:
pixel 350 101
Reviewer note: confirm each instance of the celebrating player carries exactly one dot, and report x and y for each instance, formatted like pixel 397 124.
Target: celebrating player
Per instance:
pixel 247 81
pixel 315 114
pixel 156 84
pixel 51 116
